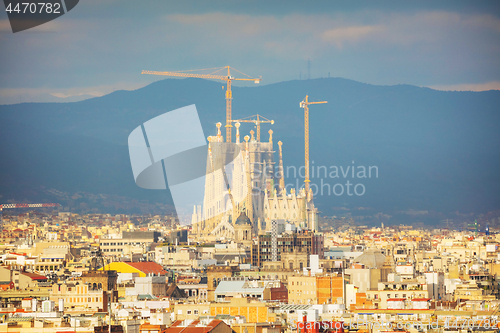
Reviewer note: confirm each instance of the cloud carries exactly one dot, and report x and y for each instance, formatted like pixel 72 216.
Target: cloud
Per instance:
pixel 51 26
pixel 424 47
pixel 319 31
pixel 5 26
pixel 416 47
pixel 16 95
pixel 338 36
pixel 493 85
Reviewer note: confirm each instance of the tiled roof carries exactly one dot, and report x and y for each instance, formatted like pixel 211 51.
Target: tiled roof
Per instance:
pixel 148 267
pixel 192 328
pixel 34 276
pixel 230 286
pixel 223 316
pixel 294 307
pixel 174 291
pixel 142 297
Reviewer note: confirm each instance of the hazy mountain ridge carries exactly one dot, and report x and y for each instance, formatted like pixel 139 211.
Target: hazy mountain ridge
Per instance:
pixel 42 98
pixel 434 150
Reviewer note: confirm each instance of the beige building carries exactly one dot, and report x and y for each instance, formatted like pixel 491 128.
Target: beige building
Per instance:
pixel 396 290
pixel 302 290
pixel 470 290
pixel 190 310
pixel 364 278
pixel 78 297
pixel 20 280
pixel 215 274
pixel 270 271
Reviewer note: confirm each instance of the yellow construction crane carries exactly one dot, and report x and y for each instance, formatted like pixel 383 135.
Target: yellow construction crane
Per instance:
pixel 228 78
pixel 305 105
pixel 257 121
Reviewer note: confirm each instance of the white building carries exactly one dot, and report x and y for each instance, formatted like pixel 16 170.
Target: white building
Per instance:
pixel 435 284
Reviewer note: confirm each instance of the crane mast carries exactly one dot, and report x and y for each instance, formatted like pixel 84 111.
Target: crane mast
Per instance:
pixel 282 173
pixel 228 78
pixel 305 105
pixel 229 103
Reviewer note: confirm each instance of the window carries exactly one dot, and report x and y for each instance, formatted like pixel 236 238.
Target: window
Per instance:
pixel 195 312
pixel 188 312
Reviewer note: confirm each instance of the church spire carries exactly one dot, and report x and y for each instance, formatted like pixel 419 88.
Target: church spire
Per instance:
pixel 237 125
pixel 282 175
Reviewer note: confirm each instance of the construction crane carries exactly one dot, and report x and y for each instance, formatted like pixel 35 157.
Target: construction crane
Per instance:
pixel 473 227
pixel 228 78
pixel 305 105
pixel 257 121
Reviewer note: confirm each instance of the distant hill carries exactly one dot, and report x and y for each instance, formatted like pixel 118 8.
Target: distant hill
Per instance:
pixel 43 98
pixel 434 150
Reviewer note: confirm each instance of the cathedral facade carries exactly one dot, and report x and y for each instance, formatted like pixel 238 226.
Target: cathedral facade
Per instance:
pixel 243 179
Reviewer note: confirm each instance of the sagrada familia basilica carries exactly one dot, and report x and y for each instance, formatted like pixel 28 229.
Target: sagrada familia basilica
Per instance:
pixel 245 191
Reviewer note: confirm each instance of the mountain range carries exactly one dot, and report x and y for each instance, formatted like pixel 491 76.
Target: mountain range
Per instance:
pixel 428 150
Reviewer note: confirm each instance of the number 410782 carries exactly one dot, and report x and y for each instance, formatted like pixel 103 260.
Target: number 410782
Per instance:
pixel 32 8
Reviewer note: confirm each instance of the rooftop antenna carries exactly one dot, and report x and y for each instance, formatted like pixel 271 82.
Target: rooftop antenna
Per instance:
pixel 447 222
pixel 309 68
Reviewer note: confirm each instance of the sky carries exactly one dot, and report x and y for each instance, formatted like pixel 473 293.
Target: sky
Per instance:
pixel 102 46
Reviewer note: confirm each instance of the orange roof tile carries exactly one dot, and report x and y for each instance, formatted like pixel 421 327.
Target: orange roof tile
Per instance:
pixel 35 276
pixel 148 267
pixel 191 328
